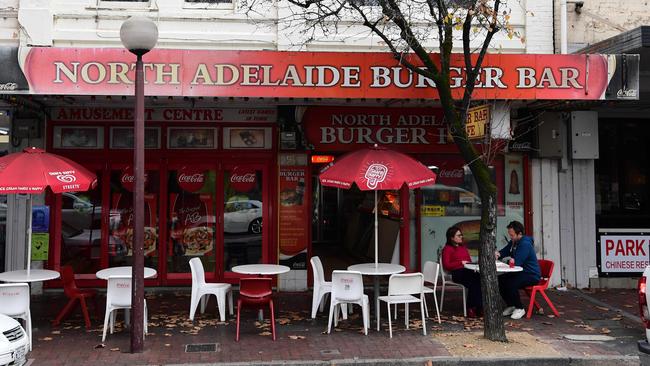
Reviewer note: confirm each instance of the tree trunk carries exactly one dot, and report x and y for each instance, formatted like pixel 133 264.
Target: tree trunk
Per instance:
pixel 494 329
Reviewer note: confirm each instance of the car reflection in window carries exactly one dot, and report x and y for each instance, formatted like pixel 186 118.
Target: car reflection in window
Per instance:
pixel 243 216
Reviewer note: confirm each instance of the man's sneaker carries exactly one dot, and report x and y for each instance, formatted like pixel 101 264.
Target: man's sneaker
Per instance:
pixel 508 311
pixel 518 314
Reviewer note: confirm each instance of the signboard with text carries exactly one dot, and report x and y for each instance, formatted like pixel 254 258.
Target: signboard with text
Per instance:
pixel 294 217
pixel 624 253
pixel 478 119
pixel 186 72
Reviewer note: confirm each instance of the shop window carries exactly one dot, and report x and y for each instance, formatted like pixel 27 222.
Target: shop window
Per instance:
pixel 121 220
pixel 622 173
pixel 81 238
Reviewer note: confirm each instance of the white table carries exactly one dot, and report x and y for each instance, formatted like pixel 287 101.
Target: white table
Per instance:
pixel 35 275
pixel 382 269
pixel 261 269
pixel 105 273
pixel 501 267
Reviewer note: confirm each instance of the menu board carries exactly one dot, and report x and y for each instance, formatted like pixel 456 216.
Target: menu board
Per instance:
pixel 294 216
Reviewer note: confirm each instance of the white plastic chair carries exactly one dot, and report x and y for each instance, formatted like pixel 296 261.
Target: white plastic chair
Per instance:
pixel 347 288
pixel 118 296
pixel 401 288
pixel 14 302
pixel 202 290
pixel 430 273
pixel 322 289
pixel 447 281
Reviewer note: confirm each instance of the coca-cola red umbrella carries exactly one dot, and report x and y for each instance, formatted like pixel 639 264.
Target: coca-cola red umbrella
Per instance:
pixel 33 170
pixel 374 169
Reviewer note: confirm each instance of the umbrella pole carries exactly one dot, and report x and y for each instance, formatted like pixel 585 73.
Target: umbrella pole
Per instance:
pixel 29 234
pixel 376 233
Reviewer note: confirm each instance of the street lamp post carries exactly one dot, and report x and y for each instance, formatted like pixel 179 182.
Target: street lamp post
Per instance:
pixel 139 35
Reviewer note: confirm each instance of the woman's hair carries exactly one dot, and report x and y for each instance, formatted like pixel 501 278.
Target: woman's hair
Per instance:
pixel 451 232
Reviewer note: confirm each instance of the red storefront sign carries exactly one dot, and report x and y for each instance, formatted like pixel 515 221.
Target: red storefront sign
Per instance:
pixel 105 71
pixel 407 130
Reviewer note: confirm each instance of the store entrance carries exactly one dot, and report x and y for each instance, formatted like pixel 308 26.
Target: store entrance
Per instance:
pixel 343 226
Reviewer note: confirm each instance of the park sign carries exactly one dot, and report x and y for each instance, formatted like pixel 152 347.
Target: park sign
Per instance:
pixel 210 73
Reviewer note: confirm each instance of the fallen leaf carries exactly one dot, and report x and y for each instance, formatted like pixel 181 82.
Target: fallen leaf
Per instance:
pixel 56 332
pixel 469 345
pixel 569 321
pixel 602 308
pixel 266 333
pixel 605 331
pixel 167 345
pixel 296 337
pixel 46 339
pixel 115 349
pixel 101 345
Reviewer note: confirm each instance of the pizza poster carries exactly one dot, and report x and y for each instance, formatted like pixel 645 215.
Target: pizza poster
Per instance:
pixel 293 217
pixel 122 222
pixel 192 220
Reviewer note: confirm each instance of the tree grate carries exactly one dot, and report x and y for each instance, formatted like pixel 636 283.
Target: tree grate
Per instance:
pixel 201 347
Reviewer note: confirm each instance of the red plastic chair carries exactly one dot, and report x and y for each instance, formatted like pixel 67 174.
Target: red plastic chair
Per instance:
pixel 74 294
pixel 255 292
pixel 546 267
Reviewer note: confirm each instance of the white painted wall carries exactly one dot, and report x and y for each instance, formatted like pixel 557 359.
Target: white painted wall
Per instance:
pixel 95 23
pixel 601 19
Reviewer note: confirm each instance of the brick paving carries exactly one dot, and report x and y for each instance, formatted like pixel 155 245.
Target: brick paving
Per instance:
pixel 301 338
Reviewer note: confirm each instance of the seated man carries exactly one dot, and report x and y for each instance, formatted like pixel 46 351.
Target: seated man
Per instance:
pixel 520 248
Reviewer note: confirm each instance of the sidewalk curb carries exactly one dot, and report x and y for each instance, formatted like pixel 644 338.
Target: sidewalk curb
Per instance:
pixel 429 361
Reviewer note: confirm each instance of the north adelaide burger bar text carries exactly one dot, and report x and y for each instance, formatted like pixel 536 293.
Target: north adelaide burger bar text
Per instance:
pixel 307 76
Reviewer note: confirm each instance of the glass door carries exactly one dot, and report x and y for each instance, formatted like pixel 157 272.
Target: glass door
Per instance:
pixel 191 219
pixel 243 215
pixel 121 219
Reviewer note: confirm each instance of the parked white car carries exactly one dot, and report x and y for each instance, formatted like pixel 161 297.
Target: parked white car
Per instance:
pixel 644 300
pixel 14 343
pixel 243 216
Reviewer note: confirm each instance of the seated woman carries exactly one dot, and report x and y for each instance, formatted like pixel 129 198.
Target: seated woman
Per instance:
pixel 454 257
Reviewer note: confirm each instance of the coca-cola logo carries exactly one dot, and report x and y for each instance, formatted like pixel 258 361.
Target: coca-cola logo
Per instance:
pixel 191 179
pixel 242 180
pixel 521 146
pixel 451 173
pixel 128 178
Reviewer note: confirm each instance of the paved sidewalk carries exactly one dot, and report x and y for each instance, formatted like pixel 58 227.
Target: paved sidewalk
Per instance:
pixel 303 341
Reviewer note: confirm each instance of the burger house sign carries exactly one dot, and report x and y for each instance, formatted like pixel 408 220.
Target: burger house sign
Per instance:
pixel 169 72
pixel 337 128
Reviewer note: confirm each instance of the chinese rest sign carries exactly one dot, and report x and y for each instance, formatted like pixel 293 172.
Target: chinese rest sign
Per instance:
pixel 624 253
pixel 176 72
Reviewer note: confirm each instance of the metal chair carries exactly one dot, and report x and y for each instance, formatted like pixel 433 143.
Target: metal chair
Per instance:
pixel 448 282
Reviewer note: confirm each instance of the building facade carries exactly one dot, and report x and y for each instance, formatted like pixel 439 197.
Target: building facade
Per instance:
pixel 236 137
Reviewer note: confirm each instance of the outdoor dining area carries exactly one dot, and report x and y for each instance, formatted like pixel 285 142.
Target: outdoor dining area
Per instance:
pixel 392 291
